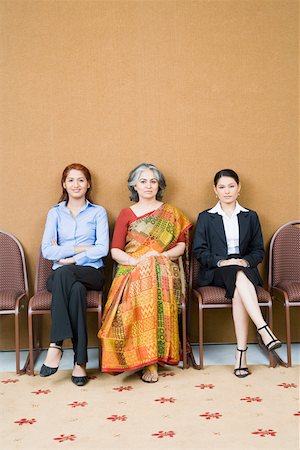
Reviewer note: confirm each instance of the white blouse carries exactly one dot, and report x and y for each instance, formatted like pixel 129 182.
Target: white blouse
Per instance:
pixel 231 226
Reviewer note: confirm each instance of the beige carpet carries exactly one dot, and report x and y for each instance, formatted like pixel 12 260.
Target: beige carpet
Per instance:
pixel 186 409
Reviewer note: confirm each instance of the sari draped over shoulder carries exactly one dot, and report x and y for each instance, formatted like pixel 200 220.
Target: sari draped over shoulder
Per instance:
pixel 140 320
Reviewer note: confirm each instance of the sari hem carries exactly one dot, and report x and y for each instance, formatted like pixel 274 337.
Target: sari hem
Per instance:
pixel 140 366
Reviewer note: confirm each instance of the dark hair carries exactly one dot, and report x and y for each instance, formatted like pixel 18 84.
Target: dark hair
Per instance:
pixel 134 177
pixel 75 166
pixel 226 173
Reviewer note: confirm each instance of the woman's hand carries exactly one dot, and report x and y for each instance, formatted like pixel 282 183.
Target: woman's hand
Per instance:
pixel 234 262
pixel 147 255
pixel 65 261
pixel 82 248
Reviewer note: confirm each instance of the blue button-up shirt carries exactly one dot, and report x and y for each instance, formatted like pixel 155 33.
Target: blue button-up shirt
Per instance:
pixel 89 227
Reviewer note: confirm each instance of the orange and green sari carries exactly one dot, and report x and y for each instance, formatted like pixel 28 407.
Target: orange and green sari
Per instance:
pixel 140 320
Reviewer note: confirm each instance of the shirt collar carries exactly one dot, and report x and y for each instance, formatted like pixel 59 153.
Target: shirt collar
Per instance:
pixel 218 210
pixel 87 204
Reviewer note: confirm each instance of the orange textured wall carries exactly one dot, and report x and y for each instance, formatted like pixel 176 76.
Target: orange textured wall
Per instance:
pixel 192 86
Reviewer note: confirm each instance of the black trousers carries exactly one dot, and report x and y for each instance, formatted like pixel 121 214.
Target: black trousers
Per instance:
pixel 68 285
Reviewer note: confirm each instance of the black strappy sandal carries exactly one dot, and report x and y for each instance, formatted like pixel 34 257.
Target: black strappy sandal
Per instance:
pixel 47 371
pixel 245 369
pixel 274 342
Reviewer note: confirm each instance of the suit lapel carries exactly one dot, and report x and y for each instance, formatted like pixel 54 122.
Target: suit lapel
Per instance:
pixel 243 219
pixel 217 223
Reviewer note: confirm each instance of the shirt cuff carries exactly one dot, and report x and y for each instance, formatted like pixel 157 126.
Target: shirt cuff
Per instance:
pixel 80 257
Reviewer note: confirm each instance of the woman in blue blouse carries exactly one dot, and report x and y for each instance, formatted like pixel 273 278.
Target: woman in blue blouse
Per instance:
pixel 76 238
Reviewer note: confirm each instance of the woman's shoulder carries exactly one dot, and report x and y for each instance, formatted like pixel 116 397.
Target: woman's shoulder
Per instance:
pixel 98 208
pixel 125 211
pixel 178 214
pixel 249 212
pixel 174 208
pixel 55 208
pixel 125 214
pixel 205 212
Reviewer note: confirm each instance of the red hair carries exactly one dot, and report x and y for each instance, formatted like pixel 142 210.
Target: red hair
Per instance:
pixel 76 166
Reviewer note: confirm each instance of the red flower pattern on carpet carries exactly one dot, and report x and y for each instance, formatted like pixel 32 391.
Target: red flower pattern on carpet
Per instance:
pixel 75 404
pixel 252 399
pixel 25 421
pixel 264 433
pixel 288 385
pixel 10 380
pixel 92 377
pixel 162 434
pixel 64 437
pixel 297 414
pixel 205 386
pixel 167 374
pixel 123 388
pixel 41 391
pixel 115 417
pixel 165 400
pixel 209 415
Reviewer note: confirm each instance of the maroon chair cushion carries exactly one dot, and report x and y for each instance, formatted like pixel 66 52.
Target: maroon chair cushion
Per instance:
pixel 292 288
pixel 213 295
pixel 42 300
pixel 216 295
pixel 8 298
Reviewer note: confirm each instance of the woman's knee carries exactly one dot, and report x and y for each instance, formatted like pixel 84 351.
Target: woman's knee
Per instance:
pixel 242 278
pixel 78 291
pixel 63 273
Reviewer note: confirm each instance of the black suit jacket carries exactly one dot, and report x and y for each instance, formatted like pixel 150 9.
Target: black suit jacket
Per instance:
pixel 209 244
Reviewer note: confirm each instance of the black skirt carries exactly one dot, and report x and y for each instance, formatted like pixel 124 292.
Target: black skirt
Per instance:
pixel 225 277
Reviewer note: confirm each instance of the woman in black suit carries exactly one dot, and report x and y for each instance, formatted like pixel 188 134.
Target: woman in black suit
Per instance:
pixel 228 244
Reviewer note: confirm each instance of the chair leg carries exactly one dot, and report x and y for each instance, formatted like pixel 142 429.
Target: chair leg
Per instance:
pixel 184 343
pixel 288 335
pixel 99 315
pixel 17 340
pixel 269 321
pixel 30 332
pixel 200 336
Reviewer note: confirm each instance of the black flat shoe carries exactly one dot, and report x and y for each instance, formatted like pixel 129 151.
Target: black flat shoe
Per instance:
pixel 244 369
pixel 47 371
pixel 79 381
pixel 274 342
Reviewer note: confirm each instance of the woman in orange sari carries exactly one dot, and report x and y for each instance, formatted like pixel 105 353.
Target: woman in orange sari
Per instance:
pixel 140 320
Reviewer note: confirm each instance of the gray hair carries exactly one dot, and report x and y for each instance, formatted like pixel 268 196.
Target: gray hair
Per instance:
pixel 134 177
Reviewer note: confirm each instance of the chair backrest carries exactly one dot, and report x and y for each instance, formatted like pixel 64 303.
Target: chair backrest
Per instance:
pixel 43 270
pixel 194 272
pixel 284 257
pixel 13 273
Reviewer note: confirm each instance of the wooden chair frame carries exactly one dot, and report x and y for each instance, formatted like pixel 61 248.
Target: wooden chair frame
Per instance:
pixel 280 295
pixel 22 297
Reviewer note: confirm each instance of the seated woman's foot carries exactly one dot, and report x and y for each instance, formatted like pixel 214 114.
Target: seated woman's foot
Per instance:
pixel 150 374
pixel 79 376
pixel 240 369
pixel 52 360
